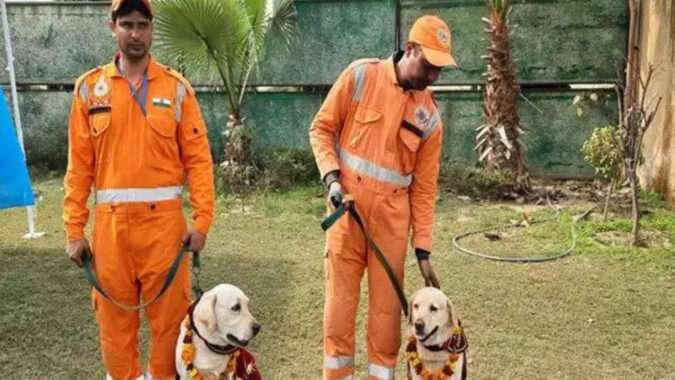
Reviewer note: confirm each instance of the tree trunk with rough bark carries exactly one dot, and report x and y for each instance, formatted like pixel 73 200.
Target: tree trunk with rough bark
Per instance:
pixel 498 141
pixel 610 188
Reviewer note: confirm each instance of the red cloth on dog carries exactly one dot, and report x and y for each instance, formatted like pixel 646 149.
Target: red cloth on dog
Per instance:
pixel 246 368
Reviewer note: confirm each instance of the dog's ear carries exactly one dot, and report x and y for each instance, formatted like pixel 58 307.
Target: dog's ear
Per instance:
pixel 410 307
pixel 452 314
pixel 205 311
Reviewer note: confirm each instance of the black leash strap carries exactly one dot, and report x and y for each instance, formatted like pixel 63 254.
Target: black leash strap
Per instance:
pixel 93 280
pixel 348 206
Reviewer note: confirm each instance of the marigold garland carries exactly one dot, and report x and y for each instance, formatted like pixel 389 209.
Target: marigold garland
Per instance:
pixel 188 356
pixel 415 362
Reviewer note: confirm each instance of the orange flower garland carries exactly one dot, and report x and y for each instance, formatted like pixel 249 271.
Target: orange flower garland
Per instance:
pixel 416 363
pixel 188 356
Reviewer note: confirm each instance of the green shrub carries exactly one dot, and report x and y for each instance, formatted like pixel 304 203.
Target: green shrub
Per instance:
pixel 283 168
pixel 476 182
pixel 602 150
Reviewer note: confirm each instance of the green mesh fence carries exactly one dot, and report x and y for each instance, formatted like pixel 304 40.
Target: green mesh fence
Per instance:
pixel 281 120
pixel 553 41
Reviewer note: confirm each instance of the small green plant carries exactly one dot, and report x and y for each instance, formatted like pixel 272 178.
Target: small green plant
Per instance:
pixel 476 182
pixel 602 150
pixel 284 168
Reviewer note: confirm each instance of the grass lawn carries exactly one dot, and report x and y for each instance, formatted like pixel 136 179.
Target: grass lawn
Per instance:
pixel 604 312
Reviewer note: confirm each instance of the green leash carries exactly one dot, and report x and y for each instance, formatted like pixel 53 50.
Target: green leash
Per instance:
pixel 93 280
pixel 348 206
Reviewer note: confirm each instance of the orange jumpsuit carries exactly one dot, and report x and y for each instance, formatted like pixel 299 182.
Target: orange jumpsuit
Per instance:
pixel 386 143
pixel 137 166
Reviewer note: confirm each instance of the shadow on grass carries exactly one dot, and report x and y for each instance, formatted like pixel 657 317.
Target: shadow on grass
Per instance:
pixel 47 325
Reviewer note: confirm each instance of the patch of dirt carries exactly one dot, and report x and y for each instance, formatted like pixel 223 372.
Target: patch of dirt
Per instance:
pixel 239 207
pixel 649 239
pixel 461 218
pixel 528 209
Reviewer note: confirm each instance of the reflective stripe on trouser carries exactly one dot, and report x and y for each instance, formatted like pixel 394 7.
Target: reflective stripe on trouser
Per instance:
pixel 134 245
pixel 376 371
pixel 152 194
pixel 338 367
pixel 387 218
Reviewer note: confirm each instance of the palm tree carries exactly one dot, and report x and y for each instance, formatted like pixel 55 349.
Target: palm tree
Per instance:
pixel 499 142
pixel 224 39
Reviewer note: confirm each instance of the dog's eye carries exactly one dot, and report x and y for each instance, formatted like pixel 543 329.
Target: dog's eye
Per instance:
pixel 236 307
pixel 433 308
pixel 416 306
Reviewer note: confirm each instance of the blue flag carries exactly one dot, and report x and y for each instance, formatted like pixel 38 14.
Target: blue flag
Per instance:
pixel 15 188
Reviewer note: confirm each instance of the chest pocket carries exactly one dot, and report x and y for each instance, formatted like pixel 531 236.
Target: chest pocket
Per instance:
pixel 162 122
pixel 99 130
pixel 364 121
pixel 410 135
pixel 99 120
pixel 161 147
pixel 410 138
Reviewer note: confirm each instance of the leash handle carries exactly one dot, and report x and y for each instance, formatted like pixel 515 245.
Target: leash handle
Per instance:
pixel 348 206
pixel 196 270
pixel 93 280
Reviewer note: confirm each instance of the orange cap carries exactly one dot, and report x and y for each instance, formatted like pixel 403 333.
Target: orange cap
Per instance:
pixel 433 36
pixel 116 4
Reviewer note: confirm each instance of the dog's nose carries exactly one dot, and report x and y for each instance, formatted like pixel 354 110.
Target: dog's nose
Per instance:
pixel 419 327
pixel 256 328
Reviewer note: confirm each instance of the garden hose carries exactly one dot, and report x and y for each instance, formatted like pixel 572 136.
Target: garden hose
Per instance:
pixel 557 255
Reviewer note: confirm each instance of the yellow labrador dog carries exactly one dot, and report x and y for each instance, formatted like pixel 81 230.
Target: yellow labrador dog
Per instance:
pixel 212 337
pixel 437 345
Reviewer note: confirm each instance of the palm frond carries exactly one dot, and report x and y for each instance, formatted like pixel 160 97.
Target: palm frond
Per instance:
pixel 254 43
pixel 500 7
pixel 221 37
pixel 282 20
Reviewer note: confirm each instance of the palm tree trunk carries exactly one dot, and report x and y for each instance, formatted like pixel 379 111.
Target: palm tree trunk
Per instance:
pixel 499 142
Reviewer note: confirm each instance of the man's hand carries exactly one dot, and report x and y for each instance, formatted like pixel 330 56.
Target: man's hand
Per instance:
pixel 428 273
pixel 335 194
pixel 196 239
pixel 77 250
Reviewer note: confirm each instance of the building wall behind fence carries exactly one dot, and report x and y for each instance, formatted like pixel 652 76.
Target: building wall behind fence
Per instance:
pixel 555 42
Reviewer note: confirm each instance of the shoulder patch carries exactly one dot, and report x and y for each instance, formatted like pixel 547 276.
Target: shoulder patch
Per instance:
pixel 83 77
pixel 180 78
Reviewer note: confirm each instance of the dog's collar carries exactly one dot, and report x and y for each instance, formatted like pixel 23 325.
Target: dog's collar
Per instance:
pixel 456 344
pixel 217 349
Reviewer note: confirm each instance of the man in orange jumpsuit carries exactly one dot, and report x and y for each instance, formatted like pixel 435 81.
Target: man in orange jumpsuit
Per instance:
pixel 136 133
pixel 377 137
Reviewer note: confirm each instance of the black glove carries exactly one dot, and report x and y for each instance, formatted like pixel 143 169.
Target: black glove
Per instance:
pixel 334 191
pixel 422 254
pixel 426 269
pixel 335 195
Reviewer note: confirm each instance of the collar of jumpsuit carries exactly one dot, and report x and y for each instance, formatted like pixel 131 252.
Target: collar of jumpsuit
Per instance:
pixel 113 69
pixel 390 67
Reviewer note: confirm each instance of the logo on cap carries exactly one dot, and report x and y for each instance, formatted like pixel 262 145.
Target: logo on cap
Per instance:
pixel 444 36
